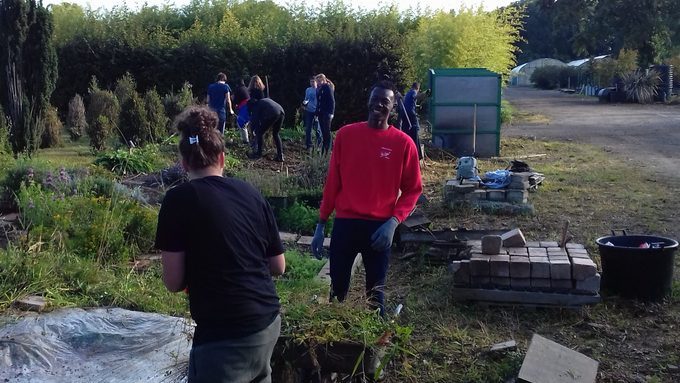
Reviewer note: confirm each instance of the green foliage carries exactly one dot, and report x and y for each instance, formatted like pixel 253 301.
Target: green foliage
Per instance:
pixel 4 133
pixel 298 218
pixel 28 64
pixel 270 184
pixel 641 86
pixel 606 71
pixel 51 136
pixel 313 170
pixel 551 77
pixel 133 120
pixel 102 116
pixel 157 121
pixel 507 111
pixel 126 88
pixel 76 123
pixel 467 39
pixel 108 230
pixel 302 267
pixel 130 161
pixel 175 103
pixel 65 279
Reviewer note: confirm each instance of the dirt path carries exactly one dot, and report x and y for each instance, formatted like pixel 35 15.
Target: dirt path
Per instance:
pixel 644 134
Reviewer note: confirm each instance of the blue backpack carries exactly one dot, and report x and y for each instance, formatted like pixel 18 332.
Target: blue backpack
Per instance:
pixel 466 168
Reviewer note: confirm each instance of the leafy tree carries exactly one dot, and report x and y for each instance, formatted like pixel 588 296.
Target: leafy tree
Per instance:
pixel 470 38
pixel 51 135
pixel 29 68
pixel 156 119
pixel 133 121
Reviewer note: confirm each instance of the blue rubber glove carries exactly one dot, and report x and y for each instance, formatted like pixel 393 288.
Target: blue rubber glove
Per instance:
pixel 382 238
pixel 317 241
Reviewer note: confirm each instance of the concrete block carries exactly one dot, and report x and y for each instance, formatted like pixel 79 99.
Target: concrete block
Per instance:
pixel 476 195
pixel 537 252
pixel 31 303
pixel 474 242
pixel 480 281
pixel 556 251
pixel 560 269
pixel 462 275
pixel 549 244
pixel 520 283
pixel 540 283
pixel 510 345
pixel 576 251
pixel 517 196
pixel 520 176
pixel 327 242
pixel 305 241
pixel 491 244
pixel 589 285
pixel 518 251
pixel 461 189
pixel 561 284
pixel 540 267
pixel 513 238
pixel 575 246
pixel 524 185
pixel 470 182
pixel 499 266
pixel 582 268
pixel 582 256
pixel 520 267
pixel 495 194
pixel 550 362
pixel 502 282
pixel 288 237
pixel 479 265
pixel 533 244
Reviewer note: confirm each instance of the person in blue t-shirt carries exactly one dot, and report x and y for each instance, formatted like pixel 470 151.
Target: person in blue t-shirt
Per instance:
pixel 219 98
pixel 408 119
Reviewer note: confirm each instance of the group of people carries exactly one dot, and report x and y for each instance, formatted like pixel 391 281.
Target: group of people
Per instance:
pixel 254 109
pixel 220 244
pixel 264 114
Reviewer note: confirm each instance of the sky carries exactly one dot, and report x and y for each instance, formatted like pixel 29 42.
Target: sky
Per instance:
pixel 366 4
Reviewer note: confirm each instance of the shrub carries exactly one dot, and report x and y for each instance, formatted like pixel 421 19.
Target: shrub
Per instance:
pixel 313 171
pixel 133 121
pixel 157 121
pixel 51 135
pixel 546 77
pixel 130 161
pixel 102 117
pixel 4 133
pixel 301 267
pixel 298 218
pixel 76 122
pixel 506 112
pixel 641 86
pixel 175 103
pixel 126 87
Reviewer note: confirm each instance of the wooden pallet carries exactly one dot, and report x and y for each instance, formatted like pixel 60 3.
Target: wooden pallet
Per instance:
pixel 527 298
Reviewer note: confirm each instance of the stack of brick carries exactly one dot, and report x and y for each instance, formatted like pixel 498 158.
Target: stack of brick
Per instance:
pixel 517 192
pixel 538 266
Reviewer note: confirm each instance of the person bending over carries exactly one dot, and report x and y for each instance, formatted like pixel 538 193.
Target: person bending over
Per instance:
pixel 267 114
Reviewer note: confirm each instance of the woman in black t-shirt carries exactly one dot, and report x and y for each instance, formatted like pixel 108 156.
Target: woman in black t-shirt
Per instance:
pixel 219 242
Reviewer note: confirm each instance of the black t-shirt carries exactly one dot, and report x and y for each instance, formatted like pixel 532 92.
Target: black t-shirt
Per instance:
pixel 228 232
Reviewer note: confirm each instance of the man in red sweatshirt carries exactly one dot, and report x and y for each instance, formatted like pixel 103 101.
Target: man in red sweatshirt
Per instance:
pixel 373 184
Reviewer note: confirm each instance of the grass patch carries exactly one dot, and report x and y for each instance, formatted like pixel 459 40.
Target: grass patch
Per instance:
pixel 521 117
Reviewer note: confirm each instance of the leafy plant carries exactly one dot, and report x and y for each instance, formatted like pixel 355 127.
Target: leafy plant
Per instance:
pixel 270 184
pixel 313 171
pixel 175 103
pixel 133 121
pixel 641 86
pixel 506 112
pixel 298 218
pixel 130 161
pixel 157 121
pixel 102 115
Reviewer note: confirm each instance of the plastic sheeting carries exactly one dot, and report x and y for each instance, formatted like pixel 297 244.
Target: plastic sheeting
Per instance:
pixel 96 345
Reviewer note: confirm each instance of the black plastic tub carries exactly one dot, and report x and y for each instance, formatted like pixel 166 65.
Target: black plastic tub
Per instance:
pixel 634 272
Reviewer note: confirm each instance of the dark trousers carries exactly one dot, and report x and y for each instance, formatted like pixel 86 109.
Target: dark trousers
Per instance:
pixel 412 128
pixel 276 124
pixel 350 237
pixel 311 122
pixel 325 125
pixel 244 359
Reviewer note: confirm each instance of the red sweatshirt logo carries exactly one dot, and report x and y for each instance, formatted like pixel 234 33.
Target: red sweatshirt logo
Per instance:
pixel 385 152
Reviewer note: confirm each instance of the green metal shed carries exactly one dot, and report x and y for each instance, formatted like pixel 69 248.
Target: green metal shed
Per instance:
pixel 465 111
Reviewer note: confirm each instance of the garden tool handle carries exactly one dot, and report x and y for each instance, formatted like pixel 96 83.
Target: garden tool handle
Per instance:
pixel 621 230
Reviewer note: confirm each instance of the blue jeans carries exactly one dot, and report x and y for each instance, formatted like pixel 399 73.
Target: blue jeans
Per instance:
pixel 311 122
pixel 241 360
pixel 350 237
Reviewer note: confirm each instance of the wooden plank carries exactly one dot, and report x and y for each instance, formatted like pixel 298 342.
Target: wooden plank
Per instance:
pixel 524 297
pixel 550 362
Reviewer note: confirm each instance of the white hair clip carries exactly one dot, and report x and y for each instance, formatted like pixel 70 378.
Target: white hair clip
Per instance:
pixel 193 140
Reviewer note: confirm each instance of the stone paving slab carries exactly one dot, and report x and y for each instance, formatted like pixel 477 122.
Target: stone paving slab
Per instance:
pixel 560 269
